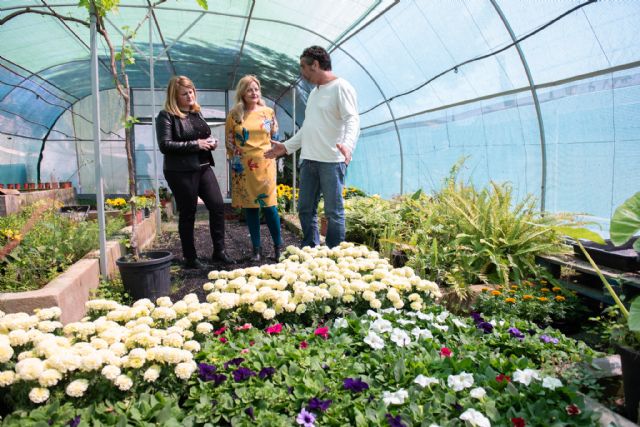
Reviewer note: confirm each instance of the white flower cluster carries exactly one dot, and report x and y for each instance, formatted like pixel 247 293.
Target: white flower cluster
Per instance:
pixel 121 344
pixel 317 275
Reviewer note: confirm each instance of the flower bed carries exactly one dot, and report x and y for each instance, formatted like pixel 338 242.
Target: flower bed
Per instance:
pixel 197 363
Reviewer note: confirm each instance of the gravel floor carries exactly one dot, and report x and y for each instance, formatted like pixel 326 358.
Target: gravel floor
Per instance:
pixel 238 246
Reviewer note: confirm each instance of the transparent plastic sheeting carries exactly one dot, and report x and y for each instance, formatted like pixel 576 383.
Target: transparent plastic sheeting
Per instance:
pixel 436 80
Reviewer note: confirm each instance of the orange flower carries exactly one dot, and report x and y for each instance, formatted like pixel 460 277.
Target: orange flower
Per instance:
pixel 510 300
pixel 556 289
pixel 496 293
pixel 512 291
pixel 560 298
pixel 544 290
pixel 527 297
pixel 543 299
pixel 485 289
pixel 514 286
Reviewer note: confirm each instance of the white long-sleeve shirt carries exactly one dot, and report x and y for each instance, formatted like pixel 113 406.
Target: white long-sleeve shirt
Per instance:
pixel 331 118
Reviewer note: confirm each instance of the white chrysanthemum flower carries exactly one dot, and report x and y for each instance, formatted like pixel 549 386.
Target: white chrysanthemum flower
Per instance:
pixel 478 393
pixel 7 378
pixel 475 418
pixel 48 313
pixel 18 337
pixel 374 341
pixel 49 377
pixel 204 328
pixel 269 314
pixel 460 382
pixel 375 304
pixel 111 372
pixel 395 398
pixel 29 368
pixel 123 382
pixel 423 381
pixel 185 369
pixel 192 346
pixel 301 308
pixel 551 383
pixel 525 376
pixel 39 395
pixel 416 305
pixel 164 302
pixel 6 352
pixel 152 374
pixel 77 388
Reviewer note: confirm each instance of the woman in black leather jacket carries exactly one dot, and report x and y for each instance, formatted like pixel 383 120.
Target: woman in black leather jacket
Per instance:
pixel 185 140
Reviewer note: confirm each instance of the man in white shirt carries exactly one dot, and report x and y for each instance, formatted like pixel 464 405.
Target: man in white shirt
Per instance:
pixel 327 139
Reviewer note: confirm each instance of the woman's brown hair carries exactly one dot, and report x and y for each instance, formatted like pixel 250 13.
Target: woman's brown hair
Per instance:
pixel 171 103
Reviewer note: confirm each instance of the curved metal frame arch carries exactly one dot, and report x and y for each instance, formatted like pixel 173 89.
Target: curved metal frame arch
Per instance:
pixel 536 102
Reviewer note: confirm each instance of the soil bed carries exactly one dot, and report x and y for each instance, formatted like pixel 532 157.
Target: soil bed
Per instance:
pixel 238 246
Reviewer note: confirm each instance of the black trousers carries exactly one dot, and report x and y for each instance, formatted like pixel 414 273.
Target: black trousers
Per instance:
pixel 186 188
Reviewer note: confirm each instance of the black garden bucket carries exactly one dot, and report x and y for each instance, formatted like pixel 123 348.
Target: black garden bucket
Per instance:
pixel 149 277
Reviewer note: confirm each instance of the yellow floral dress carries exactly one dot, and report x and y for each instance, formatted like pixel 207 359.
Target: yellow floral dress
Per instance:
pixel 253 178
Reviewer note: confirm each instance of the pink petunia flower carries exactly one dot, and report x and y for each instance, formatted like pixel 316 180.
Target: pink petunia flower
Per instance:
pixel 445 352
pixel 502 377
pixel 573 409
pixel 223 340
pixel 304 345
pixel 275 329
pixel 322 332
pixel 518 422
pixel 220 331
pixel 244 351
pixel 244 327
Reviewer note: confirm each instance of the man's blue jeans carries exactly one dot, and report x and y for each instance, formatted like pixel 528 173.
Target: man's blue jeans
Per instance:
pixel 326 179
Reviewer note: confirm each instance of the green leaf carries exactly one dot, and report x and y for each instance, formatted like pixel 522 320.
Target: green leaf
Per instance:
pixel 203 4
pixel 634 315
pixel 578 233
pixel 625 221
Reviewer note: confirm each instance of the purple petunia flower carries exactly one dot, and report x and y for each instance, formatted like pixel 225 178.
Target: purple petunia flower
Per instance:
pixel 477 317
pixel 395 421
pixel 547 339
pixel 249 411
pixel 305 418
pixel 486 327
pixel 316 404
pixel 218 378
pixel 242 374
pixel 515 332
pixel 206 371
pixel 355 385
pixel 266 372
pixel 74 422
pixel 233 362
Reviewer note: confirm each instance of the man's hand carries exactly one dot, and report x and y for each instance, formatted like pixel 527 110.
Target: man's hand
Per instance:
pixel 277 150
pixel 345 152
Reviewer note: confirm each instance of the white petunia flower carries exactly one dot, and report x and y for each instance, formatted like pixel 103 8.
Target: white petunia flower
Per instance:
pixel 460 323
pixel 525 376
pixel 421 333
pixel 460 382
pixel 395 398
pixel 478 393
pixel 551 383
pixel 423 381
pixel 400 337
pixel 340 323
pixel 475 418
pixel 374 341
pixel 381 325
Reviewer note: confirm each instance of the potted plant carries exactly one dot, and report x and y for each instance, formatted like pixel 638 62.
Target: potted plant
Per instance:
pixel 625 223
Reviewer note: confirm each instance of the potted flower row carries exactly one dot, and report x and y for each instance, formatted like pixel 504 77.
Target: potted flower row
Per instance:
pixel 32 186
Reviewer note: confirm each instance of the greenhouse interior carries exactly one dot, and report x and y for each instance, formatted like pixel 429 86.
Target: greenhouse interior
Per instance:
pixel 472 260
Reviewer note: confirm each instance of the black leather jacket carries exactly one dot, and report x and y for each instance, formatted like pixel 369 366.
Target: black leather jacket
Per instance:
pixel 178 142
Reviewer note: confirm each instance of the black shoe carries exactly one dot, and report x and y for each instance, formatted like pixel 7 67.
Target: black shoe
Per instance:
pixel 194 263
pixel 221 256
pixel 277 251
pixel 257 255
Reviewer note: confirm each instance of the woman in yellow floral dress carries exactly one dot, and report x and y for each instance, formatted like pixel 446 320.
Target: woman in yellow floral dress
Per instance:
pixel 249 129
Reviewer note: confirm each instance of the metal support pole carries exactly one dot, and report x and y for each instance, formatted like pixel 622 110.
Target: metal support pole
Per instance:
pixel 152 83
pixel 95 92
pixel 294 161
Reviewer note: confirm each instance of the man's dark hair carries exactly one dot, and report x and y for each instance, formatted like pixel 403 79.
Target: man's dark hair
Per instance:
pixel 317 53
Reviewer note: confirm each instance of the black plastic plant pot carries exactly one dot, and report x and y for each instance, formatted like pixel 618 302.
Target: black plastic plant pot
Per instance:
pixel 623 257
pixel 149 277
pixel 630 360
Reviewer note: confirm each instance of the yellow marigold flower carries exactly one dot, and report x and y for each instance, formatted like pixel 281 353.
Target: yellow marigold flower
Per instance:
pixel 496 293
pixel 510 300
pixel 527 297
pixel 543 281
pixel 556 289
pixel 544 289
pixel 560 298
pixel 485 289
pixel 543 299
pixel 512 291
pixel 527 283
pixel 514 286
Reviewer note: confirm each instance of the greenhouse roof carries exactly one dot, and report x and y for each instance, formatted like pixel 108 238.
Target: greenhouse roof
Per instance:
pixel 436 80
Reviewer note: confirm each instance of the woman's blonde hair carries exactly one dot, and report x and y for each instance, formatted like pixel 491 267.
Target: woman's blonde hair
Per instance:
pixel 171 103
pixel 237 111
